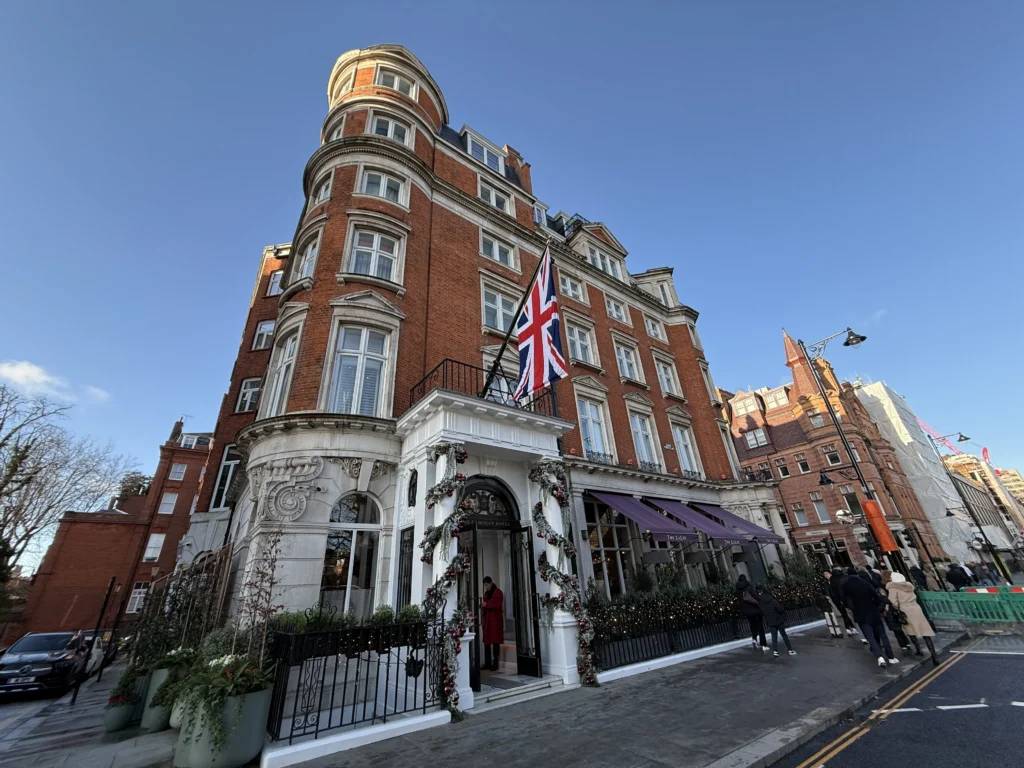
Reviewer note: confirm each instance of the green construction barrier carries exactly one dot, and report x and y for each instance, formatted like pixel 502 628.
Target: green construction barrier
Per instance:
pixel 974 607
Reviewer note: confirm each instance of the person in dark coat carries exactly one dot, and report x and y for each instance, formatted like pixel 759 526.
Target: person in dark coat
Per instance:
pixel 851 573
pixel 493 620
pixel 920 580
pixel 835 592
pixel 866 606
pixel 774 614
pixel 750 608
pixel 956 576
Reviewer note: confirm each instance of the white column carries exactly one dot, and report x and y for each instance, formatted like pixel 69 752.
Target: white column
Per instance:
pixel 559 629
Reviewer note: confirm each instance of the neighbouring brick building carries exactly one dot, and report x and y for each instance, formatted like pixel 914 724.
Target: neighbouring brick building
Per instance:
pixel 135 541
pixel 410 257
pixel 785 433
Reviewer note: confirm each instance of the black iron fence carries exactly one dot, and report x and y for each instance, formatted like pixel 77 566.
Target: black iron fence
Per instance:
pixel 470 380
pixel 630 642
pixel 338 678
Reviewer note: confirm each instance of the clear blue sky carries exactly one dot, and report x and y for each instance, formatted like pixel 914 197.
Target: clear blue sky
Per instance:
pixel 808 165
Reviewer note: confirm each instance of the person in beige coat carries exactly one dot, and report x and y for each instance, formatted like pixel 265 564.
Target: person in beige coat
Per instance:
pixel 904 598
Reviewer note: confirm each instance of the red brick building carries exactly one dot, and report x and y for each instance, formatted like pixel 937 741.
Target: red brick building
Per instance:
pixel 133 541
pixel 785 433
pixel 373 346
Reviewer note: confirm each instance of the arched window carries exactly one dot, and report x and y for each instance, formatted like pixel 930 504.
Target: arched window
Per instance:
pixel 414 479
pixel 350 562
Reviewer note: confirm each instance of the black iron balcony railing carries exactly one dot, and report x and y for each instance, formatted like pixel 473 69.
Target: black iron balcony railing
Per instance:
pixel 691 474
pixel 755 475
pixel 648 466
pixel 469 380
pixel 599 458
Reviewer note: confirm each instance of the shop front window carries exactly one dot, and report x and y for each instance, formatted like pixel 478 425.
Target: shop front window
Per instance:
pixel 608 533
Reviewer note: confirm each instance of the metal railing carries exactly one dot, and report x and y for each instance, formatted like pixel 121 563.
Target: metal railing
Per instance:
pixel 998 607
pixel 648 466
pixel 339 678
pixel 633 642
pixel 599 458
pixel 469 380
pixel 762 475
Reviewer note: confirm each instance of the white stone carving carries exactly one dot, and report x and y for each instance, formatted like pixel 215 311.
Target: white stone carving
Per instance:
pixel 287 486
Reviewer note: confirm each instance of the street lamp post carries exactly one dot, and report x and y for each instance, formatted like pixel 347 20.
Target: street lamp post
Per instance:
pixel 970 511
pixel 813 353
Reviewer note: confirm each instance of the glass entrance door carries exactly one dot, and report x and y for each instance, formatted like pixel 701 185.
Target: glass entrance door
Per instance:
pixel 525 603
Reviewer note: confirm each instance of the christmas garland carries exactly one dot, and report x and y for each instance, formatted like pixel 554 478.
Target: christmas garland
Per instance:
pixel 436 596
pixel 569 599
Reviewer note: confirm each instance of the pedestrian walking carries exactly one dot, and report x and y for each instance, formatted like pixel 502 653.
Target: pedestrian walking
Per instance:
pixel 915 623
pixel 834 578
pixel 956 576
pixel 892 615
pixel 750 608
pixel 774 614
pixel 981 574
pixel 866 606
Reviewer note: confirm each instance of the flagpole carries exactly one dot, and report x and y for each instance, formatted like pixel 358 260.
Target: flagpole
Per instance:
pixel 515 319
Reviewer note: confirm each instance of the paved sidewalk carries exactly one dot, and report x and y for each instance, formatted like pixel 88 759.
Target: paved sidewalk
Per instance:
pixel 734 709
pixel 62 735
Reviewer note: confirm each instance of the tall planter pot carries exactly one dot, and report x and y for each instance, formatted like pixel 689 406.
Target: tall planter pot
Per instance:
pixel 246 729
pixel 155 718
pixel 117 718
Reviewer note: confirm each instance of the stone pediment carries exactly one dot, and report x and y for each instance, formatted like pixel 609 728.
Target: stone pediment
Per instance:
pixel 637 397
pixel 590 382
pixel 370 300
pixel 678 411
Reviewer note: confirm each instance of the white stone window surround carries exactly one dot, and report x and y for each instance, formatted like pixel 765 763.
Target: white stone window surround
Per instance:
pixel 344 83
pixel 383 68
pixel 320 192
pixel 598 254
pixel 609 297
pixel 730 447
pixel 620 339
pixel 498 284
pixel 663 358
pixel 567 274
pixel 385 180
pixel 694 336
pixel 290 321
pixel 335 131
pixel 514 261
pixel 593 390
pixel 312 235
pixel 572 318
pixel 709 383
pixel 655 328
pixel 678 420
pixel 363 220
pixel 380 164
pixel 372 115
pixel 263 338
pixel 489 192
pixel 367 309
pixel 640 405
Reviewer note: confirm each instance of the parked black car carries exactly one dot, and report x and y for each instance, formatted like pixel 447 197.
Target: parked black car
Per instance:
pixel 44 661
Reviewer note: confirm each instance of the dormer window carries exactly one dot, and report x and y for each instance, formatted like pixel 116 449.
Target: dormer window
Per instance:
pixel 663 292
pixel 539 216
pixel 604 262
pixel 395 81
pixel 486 155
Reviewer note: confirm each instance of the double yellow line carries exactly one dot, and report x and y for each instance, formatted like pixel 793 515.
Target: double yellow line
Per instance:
pixel 826 753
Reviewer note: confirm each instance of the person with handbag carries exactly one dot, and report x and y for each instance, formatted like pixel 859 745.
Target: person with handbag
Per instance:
pixel 904 599
pixel 894 616
pixel 750 608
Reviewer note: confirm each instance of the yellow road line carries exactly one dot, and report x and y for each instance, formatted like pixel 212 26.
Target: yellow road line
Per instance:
pixel 831 750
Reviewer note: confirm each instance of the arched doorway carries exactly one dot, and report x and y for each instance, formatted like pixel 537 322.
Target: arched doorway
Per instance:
pixel 501 548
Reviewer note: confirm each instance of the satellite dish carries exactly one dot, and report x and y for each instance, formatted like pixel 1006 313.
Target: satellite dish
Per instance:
pixel 845 516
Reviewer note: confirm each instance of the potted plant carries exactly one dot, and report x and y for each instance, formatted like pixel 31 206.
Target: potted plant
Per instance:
pixel 226 699
pixel 178 664
pixel 121 704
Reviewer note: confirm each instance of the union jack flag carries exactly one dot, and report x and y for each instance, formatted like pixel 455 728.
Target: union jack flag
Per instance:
pixel 540 337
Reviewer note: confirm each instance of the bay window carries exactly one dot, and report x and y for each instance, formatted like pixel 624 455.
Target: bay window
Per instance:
pixel 360 368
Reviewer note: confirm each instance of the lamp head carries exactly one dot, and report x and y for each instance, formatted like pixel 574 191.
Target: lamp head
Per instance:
pixel 962 438
pixel 853 339
pixel 824 479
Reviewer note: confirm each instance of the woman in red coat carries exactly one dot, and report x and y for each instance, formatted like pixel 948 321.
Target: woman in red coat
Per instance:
pixel 493 604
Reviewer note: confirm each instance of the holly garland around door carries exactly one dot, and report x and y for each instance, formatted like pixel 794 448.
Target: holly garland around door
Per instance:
pixel 437 595
pixel 570 598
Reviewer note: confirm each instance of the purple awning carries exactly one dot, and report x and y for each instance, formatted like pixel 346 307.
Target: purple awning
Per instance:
pixel 743 526
pixel 687 516
pixel 662 528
